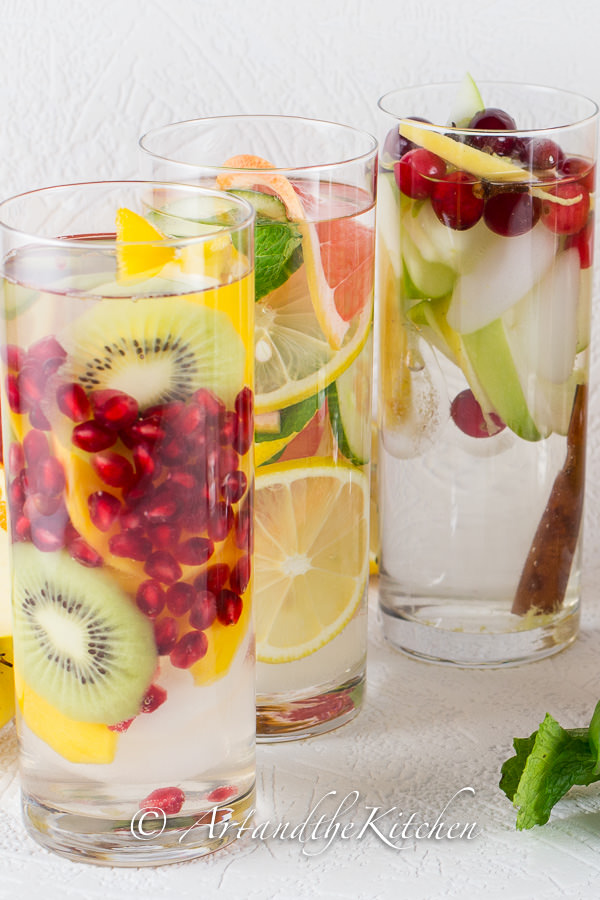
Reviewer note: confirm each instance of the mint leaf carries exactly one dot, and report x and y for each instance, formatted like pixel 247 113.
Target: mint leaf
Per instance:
pixel 547 765
pixel 277 254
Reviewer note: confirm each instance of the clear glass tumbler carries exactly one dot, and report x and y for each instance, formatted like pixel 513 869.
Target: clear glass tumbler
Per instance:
pixel 313 187
pixel 485 230
pixel 127 382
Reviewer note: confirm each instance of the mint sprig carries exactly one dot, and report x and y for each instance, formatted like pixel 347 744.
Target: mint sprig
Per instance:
pixel 277 254
pixel 547 764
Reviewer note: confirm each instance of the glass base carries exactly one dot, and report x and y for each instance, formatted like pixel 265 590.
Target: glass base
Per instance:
pixel 472 634
pixel 147 839
pixel 299 715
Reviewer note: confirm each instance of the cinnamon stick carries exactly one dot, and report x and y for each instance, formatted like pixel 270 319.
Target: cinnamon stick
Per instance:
pixel 546 571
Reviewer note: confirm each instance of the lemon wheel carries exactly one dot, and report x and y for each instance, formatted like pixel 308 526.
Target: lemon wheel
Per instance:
pixel 311 554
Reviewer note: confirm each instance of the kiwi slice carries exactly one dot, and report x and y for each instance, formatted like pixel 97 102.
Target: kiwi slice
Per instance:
pixel 79 641
pixel 156 349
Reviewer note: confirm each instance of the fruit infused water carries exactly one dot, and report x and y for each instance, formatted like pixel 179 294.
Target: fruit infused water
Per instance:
pixel 128 420
pixel 312 186
pixel 486 209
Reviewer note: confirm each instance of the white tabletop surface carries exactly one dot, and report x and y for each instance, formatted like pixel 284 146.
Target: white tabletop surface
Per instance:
pixel 426 734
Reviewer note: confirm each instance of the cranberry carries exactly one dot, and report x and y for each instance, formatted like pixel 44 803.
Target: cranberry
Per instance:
pixel 240 575
pixel 165 635
pixel 73 401
pixel 114 409
pixel 584 241
pixel 163 567
pixel 455 202
pixel 417 172
pixel 566 219
pixel 493 119
pixel 512 213
pixel 168 799
pixel 545 154
pixel 104 509
pixel 576 167
pixel 467 415
pixel 195 551
pixel 92 437
pixel 204 610
pixel 229 607
pixel 150 598
pixel 180 597
pixel 114 469
pixel 155 697
pixel 189 649
pixel 131 545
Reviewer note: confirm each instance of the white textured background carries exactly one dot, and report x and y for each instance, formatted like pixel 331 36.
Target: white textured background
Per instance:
pixel 80 80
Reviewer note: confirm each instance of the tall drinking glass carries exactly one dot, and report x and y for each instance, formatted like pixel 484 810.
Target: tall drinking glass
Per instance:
pixel 313 187
pixel 127 378
pixel 485 251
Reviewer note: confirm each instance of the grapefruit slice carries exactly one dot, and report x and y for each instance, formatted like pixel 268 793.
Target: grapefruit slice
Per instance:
pixel 323 296
pixel 136 257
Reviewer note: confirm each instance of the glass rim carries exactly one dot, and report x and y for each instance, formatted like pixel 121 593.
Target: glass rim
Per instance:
pixel 271 117
pixel 517 85
pixel 72 241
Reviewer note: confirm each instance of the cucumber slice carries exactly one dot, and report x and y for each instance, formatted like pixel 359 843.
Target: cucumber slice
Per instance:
pixel 348 402
pixel 467 102
pixel 266 205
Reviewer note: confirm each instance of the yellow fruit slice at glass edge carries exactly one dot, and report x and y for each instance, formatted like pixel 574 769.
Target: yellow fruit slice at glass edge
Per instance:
pixel 78 742
pixel 292 356
pixel 311 554
pixel 333 326
pixel 138 254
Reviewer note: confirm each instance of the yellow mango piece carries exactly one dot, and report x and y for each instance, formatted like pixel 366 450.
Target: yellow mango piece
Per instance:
pixel 137 257
pixel 78 742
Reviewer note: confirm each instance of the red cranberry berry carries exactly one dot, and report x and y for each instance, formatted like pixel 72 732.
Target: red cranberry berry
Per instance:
pixel 512 213
pixel 417 172
pixel 493 120
pixel 566 219
pixel 467 415
pixel 455 201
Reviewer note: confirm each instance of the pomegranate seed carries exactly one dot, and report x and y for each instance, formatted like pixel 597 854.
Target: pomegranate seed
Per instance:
pixel 174 451
pixel 216 577
pixel 131 545
pixel 130 518
pixel 48 532
pixel 240 575
pixel 81 551
pixel 183 479
pixel 209 403
pixel 16 492
pixel 164 536
pixel 220 520
pixel 168 799
pixel 104 509
pixel 244 403
pixel 35 447
pixel 195 551
pixel 566 219
pixel 13 356
pixel 16 457
pixel 145 465
pixel 244 435
pixel 229 607
pixel 204 610
pixel 243 528
pixel 155 697
pixel 192 418
pixel 114 409
pixel 22 528
pixel 114 469
pixel 150 598
pixel 46 349
pixel 163 567
pixel 49 477
pixel 233 486
pixel 417 172
pixel 180 597
pixel 92 437
pixel 166 413
pixel 228 460
pixel 31 386
pixel 145 430
pixel 221 793
pixel 228 428
pixel 13 394
pixel 39 505
pixel 162 506
pixel 189 649
pixel 165 635
pixel 38 419
pixel 73 401
pixel 120 727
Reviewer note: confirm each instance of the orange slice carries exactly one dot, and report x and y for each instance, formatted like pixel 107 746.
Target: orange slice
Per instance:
pixel 334 327
pixel 137 252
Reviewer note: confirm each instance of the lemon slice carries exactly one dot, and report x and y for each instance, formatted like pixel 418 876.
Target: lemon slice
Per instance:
pixel 137 257
pixel 293 358
pixel 311 555
pixel 332 324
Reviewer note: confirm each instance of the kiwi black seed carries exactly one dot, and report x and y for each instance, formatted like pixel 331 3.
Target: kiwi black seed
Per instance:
pixel 156 349
pixel 79 642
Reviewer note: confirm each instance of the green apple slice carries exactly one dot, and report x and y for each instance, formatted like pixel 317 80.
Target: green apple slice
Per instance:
pixel 431 279
pixel 467 102
pixel 388 220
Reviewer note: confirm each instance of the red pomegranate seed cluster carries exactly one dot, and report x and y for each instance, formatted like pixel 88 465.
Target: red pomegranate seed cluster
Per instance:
pixel 172 492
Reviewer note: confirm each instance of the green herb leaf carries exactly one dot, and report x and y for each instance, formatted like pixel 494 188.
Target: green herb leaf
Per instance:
pixel 547 764
pixel 277 254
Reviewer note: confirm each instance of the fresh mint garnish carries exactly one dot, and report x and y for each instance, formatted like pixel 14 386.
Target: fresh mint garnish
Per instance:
pixel 277 254
pixel 547 764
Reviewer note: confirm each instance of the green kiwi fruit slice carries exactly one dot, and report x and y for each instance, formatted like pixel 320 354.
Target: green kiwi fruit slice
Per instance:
pixel 156 349
pixel 79 641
